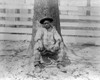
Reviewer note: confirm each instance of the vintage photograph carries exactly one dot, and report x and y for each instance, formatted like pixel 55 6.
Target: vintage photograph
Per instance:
pixel 49 40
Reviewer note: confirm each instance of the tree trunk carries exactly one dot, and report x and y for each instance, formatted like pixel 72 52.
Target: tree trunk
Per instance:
pixel 44 8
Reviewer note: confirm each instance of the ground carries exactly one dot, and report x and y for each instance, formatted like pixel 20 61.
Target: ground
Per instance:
pixel 16 65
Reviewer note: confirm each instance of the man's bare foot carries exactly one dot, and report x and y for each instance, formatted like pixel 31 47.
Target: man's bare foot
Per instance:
pixel 62 68
pixel 38 68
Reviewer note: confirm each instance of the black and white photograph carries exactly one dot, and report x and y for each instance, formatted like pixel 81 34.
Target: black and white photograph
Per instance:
pixel 49 40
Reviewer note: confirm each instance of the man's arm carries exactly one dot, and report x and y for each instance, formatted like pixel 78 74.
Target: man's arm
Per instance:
pixel 57 36
pixel 38 35
pixel 38 39
pixel 58 39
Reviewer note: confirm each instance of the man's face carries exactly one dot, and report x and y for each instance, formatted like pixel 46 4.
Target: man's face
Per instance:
pixel 47 24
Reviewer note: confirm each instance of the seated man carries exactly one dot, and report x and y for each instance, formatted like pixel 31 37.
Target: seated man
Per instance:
pixel 48 42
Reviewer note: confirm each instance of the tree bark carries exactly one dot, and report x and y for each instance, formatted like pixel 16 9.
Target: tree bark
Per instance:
pixel 44 8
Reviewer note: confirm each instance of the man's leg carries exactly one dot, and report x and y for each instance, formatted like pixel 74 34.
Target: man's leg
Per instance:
pixel 62 57
pixel 37 57
pixel 37 62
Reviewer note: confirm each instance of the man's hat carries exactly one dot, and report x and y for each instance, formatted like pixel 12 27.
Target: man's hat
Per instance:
pixel 46 18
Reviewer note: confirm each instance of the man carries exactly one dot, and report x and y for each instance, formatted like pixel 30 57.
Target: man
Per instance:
pixel 48 42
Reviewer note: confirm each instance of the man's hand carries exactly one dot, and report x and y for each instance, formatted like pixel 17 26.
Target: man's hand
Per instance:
pixel 40 48
pixel 40 45
pixel 56 47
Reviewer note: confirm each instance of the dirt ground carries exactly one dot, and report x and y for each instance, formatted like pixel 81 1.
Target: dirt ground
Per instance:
pixel 14 65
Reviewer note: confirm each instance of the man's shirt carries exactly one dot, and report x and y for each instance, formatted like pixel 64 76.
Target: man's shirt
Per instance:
pixel 48 38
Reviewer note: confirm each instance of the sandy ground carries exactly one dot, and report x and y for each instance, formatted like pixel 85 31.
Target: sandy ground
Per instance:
pixel 16 66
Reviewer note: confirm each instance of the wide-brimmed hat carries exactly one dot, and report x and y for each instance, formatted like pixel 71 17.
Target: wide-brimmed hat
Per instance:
pixel 46 18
